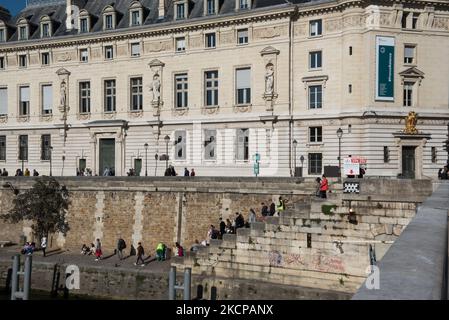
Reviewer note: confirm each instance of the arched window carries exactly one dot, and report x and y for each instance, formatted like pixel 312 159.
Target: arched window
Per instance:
pixel 109 18
pixel 84 22
pixel 135 14
pixel 46 29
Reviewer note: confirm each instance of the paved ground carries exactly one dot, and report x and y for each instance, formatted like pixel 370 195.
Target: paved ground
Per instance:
pixel 110 260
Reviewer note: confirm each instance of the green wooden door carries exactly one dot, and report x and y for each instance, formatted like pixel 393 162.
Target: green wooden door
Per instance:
pixel 107 156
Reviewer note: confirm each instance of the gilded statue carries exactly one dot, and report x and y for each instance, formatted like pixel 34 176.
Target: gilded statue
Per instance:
pixel 410 123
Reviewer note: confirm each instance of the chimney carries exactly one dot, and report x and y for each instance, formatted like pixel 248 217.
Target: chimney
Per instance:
pixel 73 8
pixel 161 9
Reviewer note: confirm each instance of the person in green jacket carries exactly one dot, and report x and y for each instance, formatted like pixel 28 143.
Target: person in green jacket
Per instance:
pixel 160 252
pixel 281 205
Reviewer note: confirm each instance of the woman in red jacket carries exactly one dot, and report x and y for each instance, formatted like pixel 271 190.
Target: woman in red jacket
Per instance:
pixel 324 186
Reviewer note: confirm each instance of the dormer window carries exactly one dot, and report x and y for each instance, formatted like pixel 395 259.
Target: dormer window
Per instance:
pixel 23 33
pixel 180 11
pixel 135 14
pixel 109 18
pixel 243 4
pixel 84 21
pixel 2 35
pixel 45 30
pixel 135 18
pixel 211 7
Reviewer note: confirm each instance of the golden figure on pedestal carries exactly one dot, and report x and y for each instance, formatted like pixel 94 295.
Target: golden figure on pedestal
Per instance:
pixel 410 123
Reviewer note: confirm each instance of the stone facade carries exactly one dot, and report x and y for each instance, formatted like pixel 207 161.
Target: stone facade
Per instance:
pixel 279 38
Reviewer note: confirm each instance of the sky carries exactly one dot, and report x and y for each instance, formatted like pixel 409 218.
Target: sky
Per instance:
pixel 14 6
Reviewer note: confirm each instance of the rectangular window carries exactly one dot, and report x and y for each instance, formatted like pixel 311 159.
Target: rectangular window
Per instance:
pixel 409 54
pixel 315 60
pixel 2 148
pixel 315 134
pixel 210 40
pixel 211 88
pixel 109 24
pixel 109 96
pixel 315 163
pixel 47 99
pixel 136 94
pixel 243 85
pixel 24 106
pixel 23 33
pixel 135 49
pixel 45 147
pixel 180 11
pixel 415 18
pixel 408 94
pixel 350 50
pixel 109 52
pixel 242 36
pixel 181 91
pixel 210 144
pixel 3 101
pixel 135 18
pixel 386 154
pixel 210 7
pixel 315 27
pixel 244 4
pixel 180 145
pixel 2 63
pixel 23 61
pixel 83 25
pixel 45 58
pixel 2 35
pixel 315 97
pixel 23 148
pixel 84 55
pixel 45 30
pixel 85 97
pixel 242 144
pixel 433 151
pixel 180 44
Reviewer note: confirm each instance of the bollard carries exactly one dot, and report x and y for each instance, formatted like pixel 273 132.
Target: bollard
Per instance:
pixel 15 276
pixel 187 283
pixel 171 284
pixel 27 277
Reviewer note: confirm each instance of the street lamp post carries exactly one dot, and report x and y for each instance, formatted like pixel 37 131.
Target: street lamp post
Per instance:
pixel 51 154
pixel 146 159
pixel 295 144
pixel 339 135
pixel 167 140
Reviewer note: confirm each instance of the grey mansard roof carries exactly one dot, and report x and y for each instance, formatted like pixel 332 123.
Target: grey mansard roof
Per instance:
pixel 56 10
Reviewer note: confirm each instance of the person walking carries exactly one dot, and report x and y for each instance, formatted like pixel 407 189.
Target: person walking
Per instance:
pixel 318 187
pixel 186 172
pixel 280 206
pixel 140 254
pixel 98 252
pixel 44 244
pixel 121 245
pixel 324 187
pixel 160 252
pixel 192 172
pixel 27 172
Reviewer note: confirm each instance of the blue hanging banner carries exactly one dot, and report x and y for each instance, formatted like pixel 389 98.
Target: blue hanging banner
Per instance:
pixel 384 68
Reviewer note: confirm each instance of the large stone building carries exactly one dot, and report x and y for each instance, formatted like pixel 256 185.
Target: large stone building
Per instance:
pixel 214 82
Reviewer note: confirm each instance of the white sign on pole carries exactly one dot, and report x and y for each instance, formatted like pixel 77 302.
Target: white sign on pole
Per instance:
pixel 351 167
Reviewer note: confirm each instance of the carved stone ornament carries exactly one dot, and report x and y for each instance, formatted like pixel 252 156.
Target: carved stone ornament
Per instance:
pixel 210 110
pixel 410 123
pixel 83 116
pixel 136 114
pixel 23 119
pixel 242 108
pixel 3 119
pixel 109 115
pixel 156 67
pixel 64 56
pixel 46 117
pixel 177 112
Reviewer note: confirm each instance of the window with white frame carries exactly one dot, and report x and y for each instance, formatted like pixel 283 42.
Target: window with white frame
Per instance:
pixel 2 35
pixel 181 10
pixel 109 96
pixel 109 22
pixel 135 49
pixel 24 100
pixel 315 96
pixel 84 88
pixel 84 55
pixel 136 94
pixel 136 18
pixel 210 7
pixel 84 25
pixel 210 144
pixel 23 61
pixel 45 58
pixel 45 30
pixel 23 147
pixel 45 147
pixel 3 101
pixel 2 63
pixel 242 152
pixel 47 99
pixel 315 134
pixel 181 90
pixel 408 94
pixel 2 148
pixel 23 33
pixel 243 85
pixel 315 163
pixel 210 40
pixel 242 36
pixel 315 60
pixel 180 145
pixel 243 4
pixel 180 44
pixel 211 88
pixel 315 28
pixel 409 54
pixel 109 52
